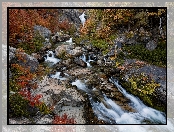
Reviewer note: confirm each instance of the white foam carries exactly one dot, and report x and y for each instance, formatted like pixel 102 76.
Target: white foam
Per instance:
pixel 146 112
pixel 82 18
pixel 80 85
pixel 51 59
pixel 83 57
pixel 69 41
pixel 107 110
pixel 57 75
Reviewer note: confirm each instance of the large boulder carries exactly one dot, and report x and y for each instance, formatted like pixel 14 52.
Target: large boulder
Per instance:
pixel 60 37
pixel 43 31
pixel 27 60
pixel 151 45
pixel 80 62
pixel 68 49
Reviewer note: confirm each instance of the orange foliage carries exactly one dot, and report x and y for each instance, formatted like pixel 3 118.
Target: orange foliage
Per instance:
pixel 64 25
pixel 24 76
pixel 21 22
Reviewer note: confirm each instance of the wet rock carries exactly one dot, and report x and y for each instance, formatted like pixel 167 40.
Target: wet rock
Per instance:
pixel 80 62
pixel 48 46
pixel 141 30
pixel 62 74
pixel 38 57
pixel 89 47
pixel 99 62
pixel 67 62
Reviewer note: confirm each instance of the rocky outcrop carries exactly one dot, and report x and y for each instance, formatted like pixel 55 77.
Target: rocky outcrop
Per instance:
pixel 151 45
pixel 60 37
pixel 29 61
pixel 80 62
pixel 155 73
pixel 72 15
pixel 43 31
pixel 68 49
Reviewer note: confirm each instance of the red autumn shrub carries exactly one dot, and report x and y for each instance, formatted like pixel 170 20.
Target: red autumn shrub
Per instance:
pixel 63 120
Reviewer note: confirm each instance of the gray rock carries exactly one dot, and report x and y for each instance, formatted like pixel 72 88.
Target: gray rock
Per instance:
pixel 43 31
pixel 141 30
pixel 60 37
pixel 72 15
pixel 122 39
pixel 68 49
pixel 99 62
pixel 80 62
pixel 12 52
pixel 67 62
pixel 151 45
pixel 30 61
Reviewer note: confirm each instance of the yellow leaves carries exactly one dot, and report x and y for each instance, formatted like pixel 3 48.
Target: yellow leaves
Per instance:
pixel 112 58
pixel 141 84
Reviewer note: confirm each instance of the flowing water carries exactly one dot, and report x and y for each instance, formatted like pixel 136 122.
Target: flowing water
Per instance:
pixel 83 57
pixel 108 110
pixel 51 58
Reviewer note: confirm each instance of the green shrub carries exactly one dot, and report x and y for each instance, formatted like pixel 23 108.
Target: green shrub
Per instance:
pixel 18 106
pixel 156 57
pixel 34 46
pixel 144 88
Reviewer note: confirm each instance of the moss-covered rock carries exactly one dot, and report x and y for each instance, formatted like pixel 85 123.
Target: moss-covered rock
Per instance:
pixel 144 88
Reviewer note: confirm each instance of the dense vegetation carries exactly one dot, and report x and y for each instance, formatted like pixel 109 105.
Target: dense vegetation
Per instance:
pixel 101 29
pixel 21 27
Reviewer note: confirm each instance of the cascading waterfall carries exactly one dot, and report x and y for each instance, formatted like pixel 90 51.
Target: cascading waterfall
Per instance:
pixel 57 75
pixel 51 59
pixel 106 109
pixel 82 18
pixel 109 111
pixel 83 57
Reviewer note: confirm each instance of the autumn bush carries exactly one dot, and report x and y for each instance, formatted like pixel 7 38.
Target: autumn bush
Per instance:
pixel 104 25
pixel 22 21
pixel 63 120
pixel 21 99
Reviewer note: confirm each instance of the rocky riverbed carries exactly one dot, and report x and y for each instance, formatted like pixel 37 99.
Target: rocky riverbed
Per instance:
pixel 81 84
pixel 91 87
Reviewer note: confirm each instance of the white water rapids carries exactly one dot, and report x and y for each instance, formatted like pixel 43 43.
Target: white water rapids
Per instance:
pixel 83 57
pixel 109 111
pixel 51 58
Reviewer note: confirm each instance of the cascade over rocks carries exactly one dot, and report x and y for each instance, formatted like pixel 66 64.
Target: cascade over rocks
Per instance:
pixel 88 64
